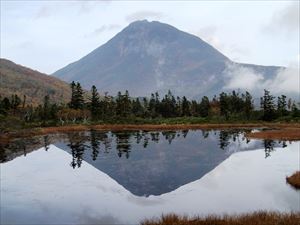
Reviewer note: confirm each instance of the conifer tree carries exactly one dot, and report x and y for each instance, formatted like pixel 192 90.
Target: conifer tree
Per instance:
pixel 185 107
pixel 248 105
pixel 79 101
pixel 224 106
pixel 46 108
pixel 281 105
pixel 204 107
pixel 73 94
pixel 95 102
pixel 267 105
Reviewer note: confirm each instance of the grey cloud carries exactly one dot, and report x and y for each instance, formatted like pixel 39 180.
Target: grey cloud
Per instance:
pixel 144 15
pixel 285 20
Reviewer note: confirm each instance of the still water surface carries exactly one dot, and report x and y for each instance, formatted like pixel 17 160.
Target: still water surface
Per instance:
pixel 123 177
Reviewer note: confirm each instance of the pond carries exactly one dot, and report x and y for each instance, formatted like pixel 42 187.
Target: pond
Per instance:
pixel 123 177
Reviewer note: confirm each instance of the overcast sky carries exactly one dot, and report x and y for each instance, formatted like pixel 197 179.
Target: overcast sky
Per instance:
pixel 48 35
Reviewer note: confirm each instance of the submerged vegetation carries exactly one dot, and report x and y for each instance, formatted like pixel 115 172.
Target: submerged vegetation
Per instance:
pixel 294 180
pixel 233 107
pixel 256 218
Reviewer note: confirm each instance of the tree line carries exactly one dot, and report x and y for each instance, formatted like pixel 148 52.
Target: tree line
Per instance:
pixel 92 106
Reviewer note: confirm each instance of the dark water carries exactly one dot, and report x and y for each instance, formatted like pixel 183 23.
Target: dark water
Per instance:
pixel 145 164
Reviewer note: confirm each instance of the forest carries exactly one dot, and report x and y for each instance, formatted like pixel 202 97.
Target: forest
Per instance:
pixel 92 108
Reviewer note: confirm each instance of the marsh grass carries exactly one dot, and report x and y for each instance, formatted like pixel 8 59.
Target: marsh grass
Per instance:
pixel 291 134
pixel 294 180
pixel 256 218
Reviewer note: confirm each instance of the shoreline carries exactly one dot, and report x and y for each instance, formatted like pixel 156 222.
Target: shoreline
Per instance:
pixel 279 131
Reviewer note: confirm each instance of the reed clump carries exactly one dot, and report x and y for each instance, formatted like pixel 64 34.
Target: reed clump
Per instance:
pixel 294 180
pixel 255 218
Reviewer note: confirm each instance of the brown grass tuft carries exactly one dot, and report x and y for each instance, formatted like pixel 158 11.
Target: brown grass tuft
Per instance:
pixel 294 180
pixel 256 218
pixel 290 134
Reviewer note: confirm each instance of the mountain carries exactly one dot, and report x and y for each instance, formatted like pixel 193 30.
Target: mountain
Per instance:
pixel 151 56
pixel 17 79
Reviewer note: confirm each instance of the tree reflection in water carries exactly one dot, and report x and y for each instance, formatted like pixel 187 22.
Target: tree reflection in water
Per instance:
pixel 269 147
pixel 95 144
pixel 94 141
pixel 77 146
pixel 123 145
pixel 46 142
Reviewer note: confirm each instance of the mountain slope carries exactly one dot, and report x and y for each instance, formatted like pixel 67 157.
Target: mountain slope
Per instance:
pixel 16 79
pixel 151 56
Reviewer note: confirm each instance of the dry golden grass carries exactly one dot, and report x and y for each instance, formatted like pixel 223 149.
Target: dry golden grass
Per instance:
pixel 256 218
pixel 294 180
pixel 291 134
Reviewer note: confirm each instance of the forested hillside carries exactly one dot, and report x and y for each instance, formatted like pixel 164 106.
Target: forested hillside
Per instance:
pixel 20 80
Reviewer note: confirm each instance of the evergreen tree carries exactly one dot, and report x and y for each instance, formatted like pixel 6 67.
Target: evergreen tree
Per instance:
pixel 6 104
pixel 204 107
pixel 224 106
pixel 157 104
pixel 15 102
pixel 137 108
pixel 248 106
pixel 127 104
pixel 267 105
pixel 2 110
pixel 95 102
pixel 73 95
pixel 295 110
pixel 282 105
pixel 46 108
pixel 123 104
pixel 178 106
pixel 119 107
pixel 185 107
pixel 195 108
pixel 152 106
pixel 168 105
pixel 146 106
pixel 79 101
pixel 24 101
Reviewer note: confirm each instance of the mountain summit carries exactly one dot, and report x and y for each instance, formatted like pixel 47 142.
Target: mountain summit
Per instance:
pixel 151 56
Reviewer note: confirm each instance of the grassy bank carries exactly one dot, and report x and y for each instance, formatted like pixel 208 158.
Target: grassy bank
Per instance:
pixel 294 180
pixel 256 218
pixel 286 131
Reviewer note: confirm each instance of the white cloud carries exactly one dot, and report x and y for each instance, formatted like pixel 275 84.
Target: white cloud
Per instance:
pixel 285 20
pixel 240 77
pixel 286 81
